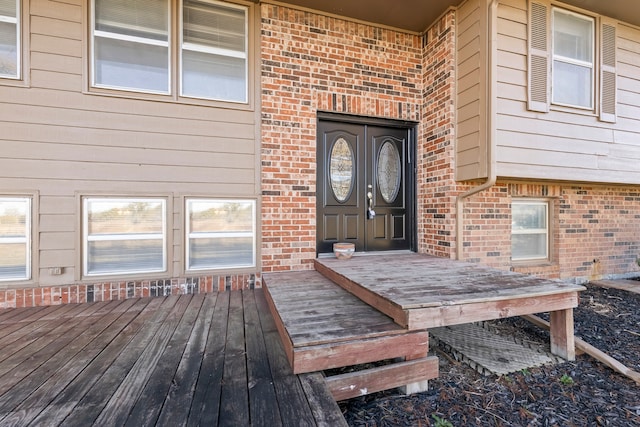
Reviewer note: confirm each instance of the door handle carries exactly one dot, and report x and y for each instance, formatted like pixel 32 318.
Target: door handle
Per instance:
pixel 370 212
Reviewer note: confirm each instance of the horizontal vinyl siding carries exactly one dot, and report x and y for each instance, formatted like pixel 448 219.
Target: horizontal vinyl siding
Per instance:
pixel 62 142
pixel 471 141
pixel 563 144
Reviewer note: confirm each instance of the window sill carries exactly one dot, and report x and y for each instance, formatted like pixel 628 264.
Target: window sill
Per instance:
pixel 169 99
pixel 573 110
pixel 4 81
pixel 531 262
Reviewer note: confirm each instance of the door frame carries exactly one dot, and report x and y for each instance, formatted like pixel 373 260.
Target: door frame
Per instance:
pixel 411 127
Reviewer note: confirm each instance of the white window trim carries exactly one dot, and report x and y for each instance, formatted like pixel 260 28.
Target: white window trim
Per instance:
pixel 26 239
pixel 189 235
pixel 18 21
pixel 215 51
pixel 546 231
pixel 173 67
pixel 134 39
pixel 86 238
pixel 590 65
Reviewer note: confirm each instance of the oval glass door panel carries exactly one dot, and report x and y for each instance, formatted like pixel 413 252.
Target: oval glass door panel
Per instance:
pixel 389 171
pixel 341 169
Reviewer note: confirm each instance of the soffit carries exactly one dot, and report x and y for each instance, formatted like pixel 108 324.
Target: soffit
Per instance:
pixel 418 15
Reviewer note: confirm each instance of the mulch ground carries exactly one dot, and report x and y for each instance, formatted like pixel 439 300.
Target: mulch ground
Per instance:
pixel 580 393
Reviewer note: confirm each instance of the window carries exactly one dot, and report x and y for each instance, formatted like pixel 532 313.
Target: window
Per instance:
pixel 529 230
pixel 15 238
pixel 564 67
pixel 573 59
pixel 10 39
pixel 220 234
pixel 132 45
pixel 124 236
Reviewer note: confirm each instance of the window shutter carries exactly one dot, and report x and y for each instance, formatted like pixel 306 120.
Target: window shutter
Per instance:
pixel 539 57
pixel 608 87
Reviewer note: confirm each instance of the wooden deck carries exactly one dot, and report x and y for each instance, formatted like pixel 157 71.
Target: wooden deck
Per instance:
pixel 379 307
pixel 207 359
pixel 420 291
pixel 322 326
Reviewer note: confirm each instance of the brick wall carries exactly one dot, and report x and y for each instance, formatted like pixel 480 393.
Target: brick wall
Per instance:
pixel 314 63
pixel 436 186
pixel 595 230
pixel 119 290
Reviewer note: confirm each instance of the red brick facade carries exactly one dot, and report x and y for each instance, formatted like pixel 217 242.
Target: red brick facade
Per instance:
pixel 314 63
pixel 119 290
pixel 436 186
pixel 594 229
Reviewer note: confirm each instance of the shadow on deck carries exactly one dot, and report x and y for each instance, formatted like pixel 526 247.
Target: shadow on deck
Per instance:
pixel 206 359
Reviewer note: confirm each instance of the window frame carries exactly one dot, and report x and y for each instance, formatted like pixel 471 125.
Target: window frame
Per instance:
pixel 28 241
pixel 212 234
pixel 533 231
pixel 592 66
pixel 175 91
pixel 120 236
pixel 134 39
pixel 214 51
pixel 19 54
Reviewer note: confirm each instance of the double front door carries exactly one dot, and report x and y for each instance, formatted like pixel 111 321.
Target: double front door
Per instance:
pixel 365 186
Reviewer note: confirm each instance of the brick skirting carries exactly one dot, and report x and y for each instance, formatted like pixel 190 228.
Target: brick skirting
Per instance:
pixel 107 291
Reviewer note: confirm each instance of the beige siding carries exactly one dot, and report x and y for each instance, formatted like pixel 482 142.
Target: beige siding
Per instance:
pixel 564 144
pixel 60 142
pixel 471 152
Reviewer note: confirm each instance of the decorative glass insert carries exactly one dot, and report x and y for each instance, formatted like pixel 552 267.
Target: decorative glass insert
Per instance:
pixel 10 39
pixel 529 230
pixel 124 236
pixel 220 234
pixel 389 171
pixel 15 238
pixel 573 59
pixel 341 169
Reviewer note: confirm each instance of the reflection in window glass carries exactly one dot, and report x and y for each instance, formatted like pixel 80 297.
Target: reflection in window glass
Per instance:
pixel 529 230
pixel 131 44
pixel 342 170
pixel 214 50
pixel 124 236
pixel 10 39
pixel 15 238
pixel 573 64
pixel 220 234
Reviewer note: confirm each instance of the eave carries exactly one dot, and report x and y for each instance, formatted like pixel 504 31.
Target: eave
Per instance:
pixel 417 15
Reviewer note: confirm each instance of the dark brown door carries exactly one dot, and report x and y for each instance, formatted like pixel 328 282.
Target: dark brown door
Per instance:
pixel 365 186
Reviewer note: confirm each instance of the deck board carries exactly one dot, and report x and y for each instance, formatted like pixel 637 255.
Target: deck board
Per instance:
pixel 235 397
pixel 288 387
pixel 323 300
pixel 426 281
pixel 335 328
pixel 178 360
pixel 177 403
pixel 420 291
pixel 262 392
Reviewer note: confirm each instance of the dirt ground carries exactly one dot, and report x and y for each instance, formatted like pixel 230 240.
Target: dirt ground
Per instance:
pixel 580 393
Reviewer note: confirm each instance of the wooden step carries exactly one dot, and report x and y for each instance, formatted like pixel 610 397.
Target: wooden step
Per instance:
pixel 322 326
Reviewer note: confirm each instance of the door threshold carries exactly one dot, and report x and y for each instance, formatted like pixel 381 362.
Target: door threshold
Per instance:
pixel 369 253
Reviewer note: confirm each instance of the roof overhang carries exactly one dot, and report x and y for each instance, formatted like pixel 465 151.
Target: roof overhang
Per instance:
pixel 418 15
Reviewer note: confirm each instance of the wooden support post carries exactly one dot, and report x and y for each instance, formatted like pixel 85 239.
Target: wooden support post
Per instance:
pixel 417 386
pixel 562 338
